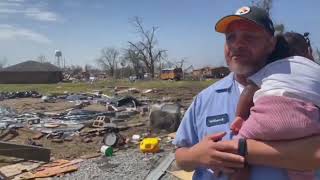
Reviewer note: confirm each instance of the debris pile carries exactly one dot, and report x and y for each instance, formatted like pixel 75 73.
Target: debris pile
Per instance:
pixel 103 123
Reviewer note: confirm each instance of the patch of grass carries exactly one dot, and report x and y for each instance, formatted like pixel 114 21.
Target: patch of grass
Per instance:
pixel 160 84
pixel 102 85
pixel 50 88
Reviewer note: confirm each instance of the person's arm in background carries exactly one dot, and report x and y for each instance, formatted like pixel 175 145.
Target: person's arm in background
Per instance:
pixel 302 154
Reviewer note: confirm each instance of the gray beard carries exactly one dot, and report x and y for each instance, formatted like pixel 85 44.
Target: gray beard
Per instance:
pixel 243 71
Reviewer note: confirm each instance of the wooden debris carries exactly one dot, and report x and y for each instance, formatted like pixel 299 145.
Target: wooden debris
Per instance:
pixel 11 131
pixel 73 162
pixel 111 108
pixel 26 175
pixel 147 91
pixel 57 140
pixel 91 131
pixel 38 136
pixel 57 162
pixel 100 122
pixel 125 127
pixel 15 169
pixel 51 125
pixel 32 142
pixel 183 175
pixel 87 140
pixel 53 169
pixel 136 125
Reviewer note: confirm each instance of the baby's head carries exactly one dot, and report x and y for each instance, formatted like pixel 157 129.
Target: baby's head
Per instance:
pixel 299 45
pixel 292 44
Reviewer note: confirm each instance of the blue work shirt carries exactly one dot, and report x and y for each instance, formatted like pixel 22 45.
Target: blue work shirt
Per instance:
pixel 212 112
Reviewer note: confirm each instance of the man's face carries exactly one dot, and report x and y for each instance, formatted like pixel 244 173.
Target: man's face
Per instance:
pixel 247 47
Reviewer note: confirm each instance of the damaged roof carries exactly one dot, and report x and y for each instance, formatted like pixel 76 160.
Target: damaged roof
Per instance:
pixel 32 66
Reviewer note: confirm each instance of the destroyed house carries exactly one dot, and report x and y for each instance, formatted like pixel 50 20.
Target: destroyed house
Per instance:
pixel 31 72
pixel 208 72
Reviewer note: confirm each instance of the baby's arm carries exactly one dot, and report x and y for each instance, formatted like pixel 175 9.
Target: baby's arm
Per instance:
pixel 246 101
pixel 244 105
pixel 243 112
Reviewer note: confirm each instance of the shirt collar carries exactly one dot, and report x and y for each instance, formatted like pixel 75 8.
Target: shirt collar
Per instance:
pixel 226 84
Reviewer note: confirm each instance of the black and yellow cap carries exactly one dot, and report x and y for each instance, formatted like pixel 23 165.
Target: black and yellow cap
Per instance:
pixel 254 14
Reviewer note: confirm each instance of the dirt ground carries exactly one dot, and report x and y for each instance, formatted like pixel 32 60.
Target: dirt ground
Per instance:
pixel 26 105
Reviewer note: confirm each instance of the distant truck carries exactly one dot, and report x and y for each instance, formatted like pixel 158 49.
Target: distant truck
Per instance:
pixel 171 74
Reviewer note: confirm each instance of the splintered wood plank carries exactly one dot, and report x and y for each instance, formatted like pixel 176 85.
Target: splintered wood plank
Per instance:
pixel 56 168
pixel 183 175
pixel 15 169
pixel 55 171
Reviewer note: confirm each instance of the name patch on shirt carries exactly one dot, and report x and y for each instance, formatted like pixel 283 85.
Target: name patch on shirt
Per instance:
pixel 217 120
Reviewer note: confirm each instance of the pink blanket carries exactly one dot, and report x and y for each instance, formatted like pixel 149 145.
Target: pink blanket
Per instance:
pixel 281 118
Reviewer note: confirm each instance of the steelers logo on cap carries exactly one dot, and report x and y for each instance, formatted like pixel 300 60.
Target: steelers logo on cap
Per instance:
pixel 243 10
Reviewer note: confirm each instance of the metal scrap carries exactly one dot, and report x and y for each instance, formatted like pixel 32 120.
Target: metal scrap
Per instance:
pixel 126 101
pixel 161 169
pixel 21 94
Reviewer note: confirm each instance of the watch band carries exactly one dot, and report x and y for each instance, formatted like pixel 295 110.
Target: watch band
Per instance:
pixel 242 148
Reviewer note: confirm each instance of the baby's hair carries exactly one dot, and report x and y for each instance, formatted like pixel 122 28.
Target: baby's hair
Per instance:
pixel 291 44
pixel 281 49
pixel 299 45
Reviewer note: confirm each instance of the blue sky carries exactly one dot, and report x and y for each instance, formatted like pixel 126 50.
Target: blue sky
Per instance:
pixel 81 28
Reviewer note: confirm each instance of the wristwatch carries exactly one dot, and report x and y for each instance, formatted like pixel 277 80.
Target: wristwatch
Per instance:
pixel 242 149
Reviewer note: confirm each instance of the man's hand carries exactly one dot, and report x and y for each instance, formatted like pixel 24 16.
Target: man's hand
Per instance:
pixel 229 146
pixel 210 154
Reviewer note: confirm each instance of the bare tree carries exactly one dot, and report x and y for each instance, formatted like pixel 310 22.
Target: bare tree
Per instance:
pixel 109 59
pixel 3 62
pixel 42 59
pixel 134 59
pixel 267 5
pixel 146 47
pixel 264 4
pixel 181 63
pixel 74 70
pixel 167 64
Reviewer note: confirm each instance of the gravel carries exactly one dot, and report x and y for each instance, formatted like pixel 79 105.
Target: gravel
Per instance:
pixel 127 164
